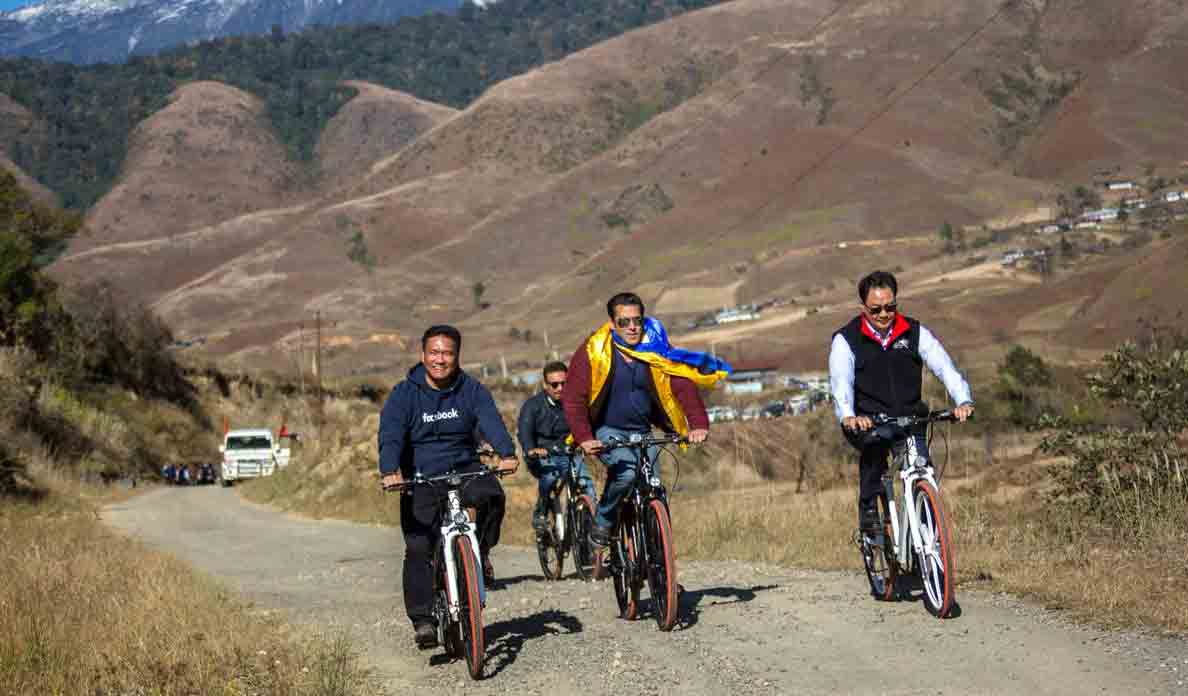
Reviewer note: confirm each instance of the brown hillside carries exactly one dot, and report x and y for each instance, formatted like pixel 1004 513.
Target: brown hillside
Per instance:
pixel 207 157
pixel 755 149
pixel 375 123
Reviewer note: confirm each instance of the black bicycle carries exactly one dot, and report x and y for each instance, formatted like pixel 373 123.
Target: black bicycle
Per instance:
pixel 642 546
pixel 569 512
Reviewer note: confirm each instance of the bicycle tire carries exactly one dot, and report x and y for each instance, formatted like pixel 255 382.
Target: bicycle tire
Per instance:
pixel 470 608
pixel 626 551
pixel 585 558
pixel 549 549
pixel 878 560
pixel 662 570
pixel 935 566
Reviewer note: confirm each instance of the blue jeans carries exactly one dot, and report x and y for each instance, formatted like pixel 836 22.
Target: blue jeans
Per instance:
pixel 620 474
pixel 551 469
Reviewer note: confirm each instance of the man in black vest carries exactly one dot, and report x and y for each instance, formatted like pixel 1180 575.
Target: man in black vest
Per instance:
pixel 876 366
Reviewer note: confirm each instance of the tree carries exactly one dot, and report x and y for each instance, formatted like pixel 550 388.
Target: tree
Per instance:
pixel 477 290
pixel 946 232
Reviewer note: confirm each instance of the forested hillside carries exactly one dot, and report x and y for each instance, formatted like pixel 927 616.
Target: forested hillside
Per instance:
pixel 83 115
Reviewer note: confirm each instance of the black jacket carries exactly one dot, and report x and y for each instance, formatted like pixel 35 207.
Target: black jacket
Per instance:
pixel 432 431
pixel 887 380
pixel 541 423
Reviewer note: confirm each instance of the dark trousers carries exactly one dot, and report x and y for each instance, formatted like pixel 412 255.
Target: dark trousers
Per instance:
pixel 872 461
pixel 421 525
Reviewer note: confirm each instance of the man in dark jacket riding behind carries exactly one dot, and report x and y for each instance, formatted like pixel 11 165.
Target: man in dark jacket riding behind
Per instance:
pixel 427 426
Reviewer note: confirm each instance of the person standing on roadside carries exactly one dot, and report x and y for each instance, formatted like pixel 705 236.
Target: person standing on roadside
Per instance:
pixel 427 427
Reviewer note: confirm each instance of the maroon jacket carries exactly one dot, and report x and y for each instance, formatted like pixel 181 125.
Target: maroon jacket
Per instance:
pixel 584 420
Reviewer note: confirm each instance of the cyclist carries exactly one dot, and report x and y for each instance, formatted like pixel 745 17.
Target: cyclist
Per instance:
pixel 624 379
pixel 427 426
pixel 876 366
pixel 541 426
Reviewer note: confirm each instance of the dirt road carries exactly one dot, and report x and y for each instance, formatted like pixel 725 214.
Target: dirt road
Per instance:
pixel 746 629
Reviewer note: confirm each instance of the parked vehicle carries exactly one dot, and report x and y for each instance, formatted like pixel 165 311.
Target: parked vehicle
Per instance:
pixel 250 453
pixel 775 409
pixel 721 414
pixel 751 412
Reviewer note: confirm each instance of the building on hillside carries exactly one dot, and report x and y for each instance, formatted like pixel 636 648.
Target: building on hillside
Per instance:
pixel 1172 196
pixel 1087 225
pixel 1134 202
pixel 1100 215
pixel 1050 228
pixel 752 376
pixel 1120 185
pixel 727 316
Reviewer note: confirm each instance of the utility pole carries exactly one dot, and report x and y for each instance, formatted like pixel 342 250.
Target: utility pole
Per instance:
pixel 318 372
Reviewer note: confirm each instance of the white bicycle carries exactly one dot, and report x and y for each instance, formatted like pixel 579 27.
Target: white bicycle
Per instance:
pixel 457 577
pixel 913 534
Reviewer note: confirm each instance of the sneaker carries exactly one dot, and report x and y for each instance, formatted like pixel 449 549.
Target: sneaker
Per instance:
pixel 488 572
pixel 540 521
pixel 868 518
pixel 425 634
pixel 600 536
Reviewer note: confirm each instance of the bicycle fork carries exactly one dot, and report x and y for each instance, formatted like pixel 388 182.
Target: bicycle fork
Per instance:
pixel 458 524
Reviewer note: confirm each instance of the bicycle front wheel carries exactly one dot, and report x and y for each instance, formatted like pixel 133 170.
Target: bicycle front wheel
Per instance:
pixel 662 573
pixel 935 561
pixel 626 566
pixel 470 607
pixel 585 558
pixel 549 547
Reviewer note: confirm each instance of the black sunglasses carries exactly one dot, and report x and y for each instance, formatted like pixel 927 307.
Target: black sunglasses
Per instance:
pixel 624 322
pixel 556 385
pixel 890 308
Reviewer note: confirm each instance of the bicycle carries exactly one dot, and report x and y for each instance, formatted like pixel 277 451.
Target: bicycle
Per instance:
pixel 641 545
pixel 911 538
pixel 457 578
pixel 570 514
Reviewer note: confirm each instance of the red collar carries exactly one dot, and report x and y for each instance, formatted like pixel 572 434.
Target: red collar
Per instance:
pixel 899 328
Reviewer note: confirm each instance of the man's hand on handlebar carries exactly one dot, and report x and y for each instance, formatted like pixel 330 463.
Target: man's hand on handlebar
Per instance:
pixel 963 412
pixel 857 423
pixel 391 482
pixel 537 452
pixel 696 437
pixel 592 447
pixel 507 465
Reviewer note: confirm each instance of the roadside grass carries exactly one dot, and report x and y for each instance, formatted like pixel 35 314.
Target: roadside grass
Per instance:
pixel 88 611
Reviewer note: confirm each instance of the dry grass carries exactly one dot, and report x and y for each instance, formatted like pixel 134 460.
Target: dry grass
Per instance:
pixel 87 611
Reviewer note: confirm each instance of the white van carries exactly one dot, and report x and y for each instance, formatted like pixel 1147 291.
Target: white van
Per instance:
pixel 250 453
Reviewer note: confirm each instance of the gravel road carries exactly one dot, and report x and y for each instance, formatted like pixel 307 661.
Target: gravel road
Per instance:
pixel 746 628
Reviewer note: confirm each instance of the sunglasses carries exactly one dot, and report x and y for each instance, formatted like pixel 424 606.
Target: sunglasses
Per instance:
pixel 889 308
pixel 556 385
pixel 624 322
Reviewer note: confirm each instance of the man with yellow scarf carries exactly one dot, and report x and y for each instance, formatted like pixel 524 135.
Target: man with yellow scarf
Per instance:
pixel 625 379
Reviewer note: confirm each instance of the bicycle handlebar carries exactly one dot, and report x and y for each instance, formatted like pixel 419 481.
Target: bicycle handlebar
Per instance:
pixel 420 480
pixel 641 441
pixel 909 421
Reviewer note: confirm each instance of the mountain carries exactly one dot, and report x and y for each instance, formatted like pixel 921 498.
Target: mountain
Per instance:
pixel 755 150
pixel 111 31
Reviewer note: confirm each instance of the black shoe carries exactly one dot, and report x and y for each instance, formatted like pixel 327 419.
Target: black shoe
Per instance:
pixel 540 521
pixel 488 572
pixel 600 536
pixel 868 519
pixel 425 635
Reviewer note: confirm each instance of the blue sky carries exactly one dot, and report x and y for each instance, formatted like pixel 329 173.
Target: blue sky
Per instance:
pixel 6 5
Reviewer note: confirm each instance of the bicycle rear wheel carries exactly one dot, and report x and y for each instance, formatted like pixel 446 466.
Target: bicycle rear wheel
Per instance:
pixel 879 560
pixel 549 548
pixel 626 562
pixel 661 557
pixel 470 608
pixel 584 557
pixel 935 562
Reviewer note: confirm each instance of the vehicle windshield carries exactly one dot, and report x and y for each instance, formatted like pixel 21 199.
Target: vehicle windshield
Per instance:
pixel 249 442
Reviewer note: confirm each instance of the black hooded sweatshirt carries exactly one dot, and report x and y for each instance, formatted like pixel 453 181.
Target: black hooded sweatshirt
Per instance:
pixel 431 431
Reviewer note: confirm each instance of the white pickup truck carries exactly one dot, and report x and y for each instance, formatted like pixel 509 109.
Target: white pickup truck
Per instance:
pixel 250 453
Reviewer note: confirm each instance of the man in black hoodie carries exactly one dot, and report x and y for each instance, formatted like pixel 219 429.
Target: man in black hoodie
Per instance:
pixel 427 426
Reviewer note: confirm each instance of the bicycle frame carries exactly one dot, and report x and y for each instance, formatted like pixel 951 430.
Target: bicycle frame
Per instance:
pixel 456 523
pixel 911 467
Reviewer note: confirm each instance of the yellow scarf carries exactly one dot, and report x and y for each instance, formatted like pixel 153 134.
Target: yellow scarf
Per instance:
pixel 600 349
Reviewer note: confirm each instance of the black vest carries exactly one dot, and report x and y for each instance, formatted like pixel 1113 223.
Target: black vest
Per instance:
pixel 886 380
